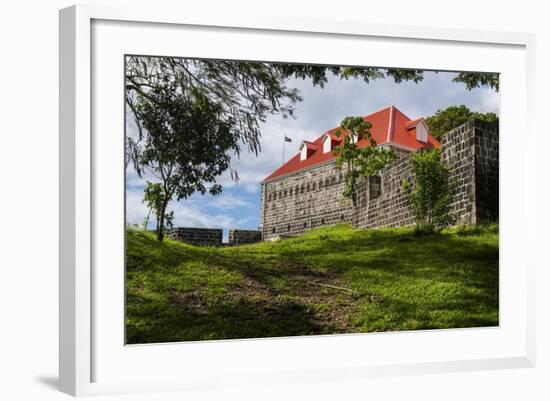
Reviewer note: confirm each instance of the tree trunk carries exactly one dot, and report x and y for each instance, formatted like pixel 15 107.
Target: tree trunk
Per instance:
pixel 157 229
pixel 351 172
pixel 160 220
pixel 146 221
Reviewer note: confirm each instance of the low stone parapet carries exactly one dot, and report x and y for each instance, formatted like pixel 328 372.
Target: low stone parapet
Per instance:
pixel 196 236
pixel 241 237
pixel 212 236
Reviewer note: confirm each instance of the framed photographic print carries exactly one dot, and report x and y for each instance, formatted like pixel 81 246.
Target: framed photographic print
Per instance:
pixel 278 199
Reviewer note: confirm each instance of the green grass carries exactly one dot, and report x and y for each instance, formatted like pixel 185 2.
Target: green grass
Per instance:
pixel 330 280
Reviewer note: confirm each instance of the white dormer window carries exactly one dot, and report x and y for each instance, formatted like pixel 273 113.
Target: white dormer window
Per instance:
pixel 327 144
pixel 307 149
pixel 421 132
pixel 354 138
pixel 303 152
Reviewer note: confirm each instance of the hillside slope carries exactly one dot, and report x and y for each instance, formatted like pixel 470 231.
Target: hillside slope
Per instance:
pixel 330 280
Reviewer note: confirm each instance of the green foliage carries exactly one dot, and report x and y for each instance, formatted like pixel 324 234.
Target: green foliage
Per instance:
pixel 244 93
pixel 431 195
pixel 390 280
pixel 453 116
pixel 318 73
pixel 358 161
pixel 477 79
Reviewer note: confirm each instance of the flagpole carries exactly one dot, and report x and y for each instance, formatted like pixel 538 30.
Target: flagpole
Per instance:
pixel 284 145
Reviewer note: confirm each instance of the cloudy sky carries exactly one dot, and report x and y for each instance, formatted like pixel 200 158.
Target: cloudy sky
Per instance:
pixel 320 110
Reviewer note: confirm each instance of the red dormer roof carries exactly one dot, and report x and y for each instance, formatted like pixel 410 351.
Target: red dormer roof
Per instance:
pixel 413 123
pixel 334 137
pixel 389 126
pixel 309 145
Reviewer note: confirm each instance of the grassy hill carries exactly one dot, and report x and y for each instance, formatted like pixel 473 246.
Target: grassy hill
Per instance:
pixel 330 280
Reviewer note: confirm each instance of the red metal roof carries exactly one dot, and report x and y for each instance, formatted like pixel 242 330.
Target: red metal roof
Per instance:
pixel 389 125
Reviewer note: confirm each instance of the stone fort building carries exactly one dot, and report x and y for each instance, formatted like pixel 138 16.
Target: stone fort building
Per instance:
pixel 306 191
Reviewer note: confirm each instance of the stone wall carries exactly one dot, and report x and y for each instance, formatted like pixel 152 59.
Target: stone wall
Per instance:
pixel 470 151
pixel 196 236
pixel 262 206
pixel 487 171
pixel 241 237
pixel 303 200
pixel 457 151
pixel 381 201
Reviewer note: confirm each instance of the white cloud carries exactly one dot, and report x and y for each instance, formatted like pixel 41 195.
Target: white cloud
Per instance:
pixel 246 222
pixel 229 202
pixel 189 216
pixel 251 188
pixel 135 209
pixel 489 101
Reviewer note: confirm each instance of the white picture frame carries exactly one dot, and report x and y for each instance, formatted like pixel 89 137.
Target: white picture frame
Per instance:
pixel 93 360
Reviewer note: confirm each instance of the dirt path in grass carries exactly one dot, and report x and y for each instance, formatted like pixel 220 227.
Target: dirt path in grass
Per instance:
pixel 331 304
pixel 302 301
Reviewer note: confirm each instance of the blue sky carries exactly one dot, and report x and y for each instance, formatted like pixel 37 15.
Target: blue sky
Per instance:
pixel 321 109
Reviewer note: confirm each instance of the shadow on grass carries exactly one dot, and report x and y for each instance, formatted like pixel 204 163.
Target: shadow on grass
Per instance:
pixel 240 318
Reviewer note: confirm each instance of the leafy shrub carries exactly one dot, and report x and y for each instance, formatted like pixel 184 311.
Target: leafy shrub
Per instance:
pixel 430 196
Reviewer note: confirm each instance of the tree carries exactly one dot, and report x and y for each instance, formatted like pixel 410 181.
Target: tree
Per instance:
pixel 430 196
pixel 453 116
pixel 179 129
pixel 156 199
pixel 358 161
pixel 245 93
